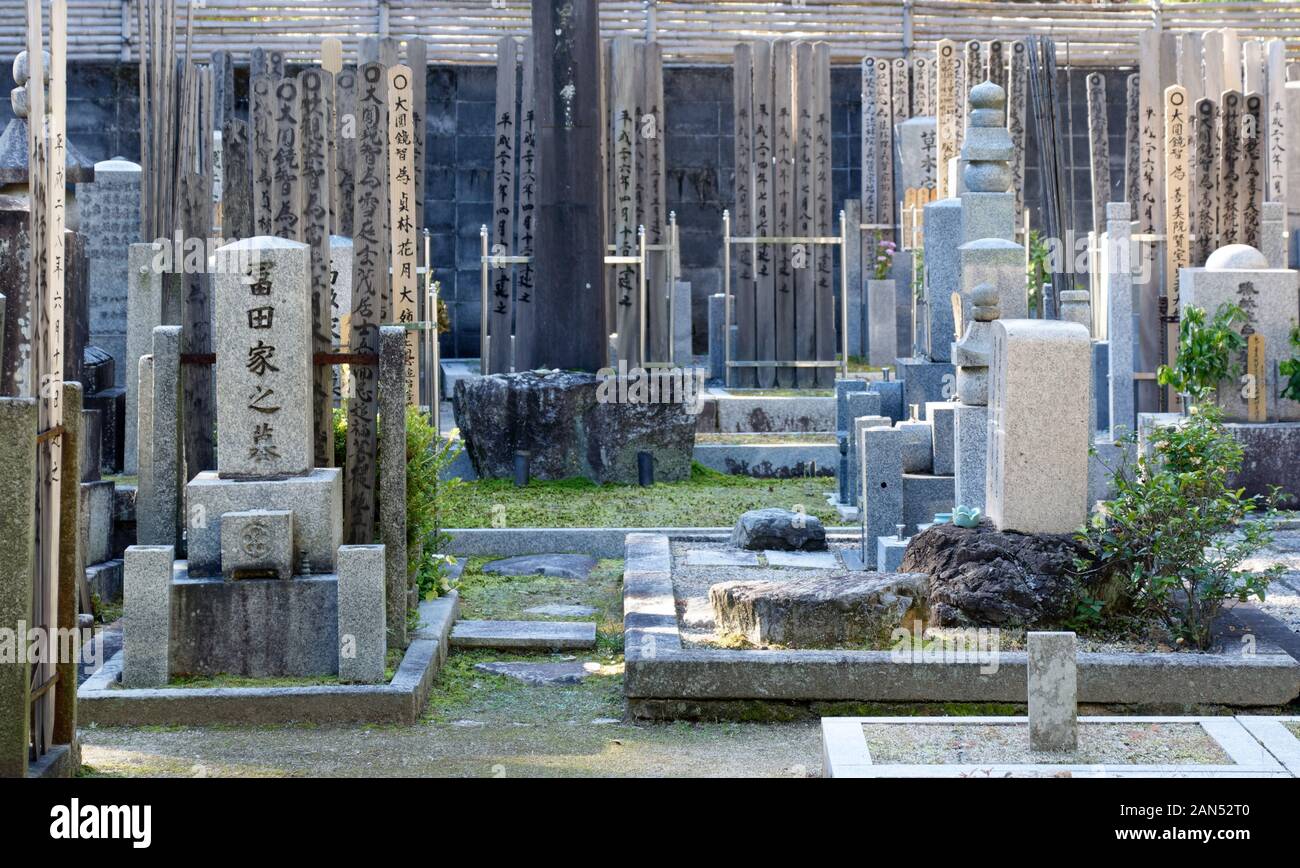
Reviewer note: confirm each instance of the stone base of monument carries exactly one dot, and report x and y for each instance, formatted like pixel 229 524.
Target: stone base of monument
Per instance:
pixel 670 674
pixel 998 747
pixel 316 501
pixel 577 424
pixel 260 628
pixel 1272 453
pixel 926 382
pixel 401 700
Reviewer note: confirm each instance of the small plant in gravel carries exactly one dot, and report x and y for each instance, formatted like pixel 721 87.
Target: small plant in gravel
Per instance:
pixel 1169 548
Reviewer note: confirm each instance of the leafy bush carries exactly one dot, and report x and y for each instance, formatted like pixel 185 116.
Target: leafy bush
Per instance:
pixel 1169 547
pixel 1290 368
pixel 885 250
pixel 427 455
pixel 1207 352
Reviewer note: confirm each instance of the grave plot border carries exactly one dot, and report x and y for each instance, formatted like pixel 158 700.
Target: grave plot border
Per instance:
pixel 400 701
pixel 1270 731
pixel 846 754
pixel 661 675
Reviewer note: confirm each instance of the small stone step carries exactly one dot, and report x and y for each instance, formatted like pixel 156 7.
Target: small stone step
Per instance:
pixel 541 674
pixel 524 635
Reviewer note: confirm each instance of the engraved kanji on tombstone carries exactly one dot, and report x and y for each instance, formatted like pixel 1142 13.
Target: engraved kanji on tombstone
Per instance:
pixel 401 193
pixel 315 86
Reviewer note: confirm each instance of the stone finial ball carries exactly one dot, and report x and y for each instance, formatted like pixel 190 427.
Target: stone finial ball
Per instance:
pixel 984 295
pixel 22 69
pixel 987 95
pixel 1236 257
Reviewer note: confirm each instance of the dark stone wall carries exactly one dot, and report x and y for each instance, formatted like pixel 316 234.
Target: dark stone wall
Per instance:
pixel 103 121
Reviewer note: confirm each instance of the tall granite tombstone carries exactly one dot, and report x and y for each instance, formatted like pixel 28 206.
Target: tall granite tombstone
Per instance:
pixel 110 222
pixel 1039 426
pixel 568 330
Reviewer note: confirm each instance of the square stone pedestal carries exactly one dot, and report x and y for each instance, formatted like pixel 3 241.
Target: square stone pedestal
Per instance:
pixel 316 501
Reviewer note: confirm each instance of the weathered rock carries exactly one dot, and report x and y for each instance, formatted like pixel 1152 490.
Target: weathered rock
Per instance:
pixel 818 611
pixel 539 674
pixel 558 566
pixel 981 576
pixel 780 529
pixel 569 428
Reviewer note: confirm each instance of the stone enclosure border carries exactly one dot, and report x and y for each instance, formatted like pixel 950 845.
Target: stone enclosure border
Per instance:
pixel 846 754
pixel 659 672
pixel 1271 731
pixel 401 701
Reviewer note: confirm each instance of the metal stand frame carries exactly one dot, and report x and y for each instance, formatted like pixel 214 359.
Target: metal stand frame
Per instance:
pixel 840 241
pixel 487 261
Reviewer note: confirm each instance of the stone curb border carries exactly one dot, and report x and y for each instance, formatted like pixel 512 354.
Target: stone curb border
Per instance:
pixel 845 753
pixel 401 701
pixel 658 667
pixel 1279 740
pixel 599 542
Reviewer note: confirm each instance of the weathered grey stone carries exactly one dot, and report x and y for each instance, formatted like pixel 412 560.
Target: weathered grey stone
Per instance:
pixel 1053 692
pixel 925 382
pixel 260 628
pixel 109 213
pixel 983 577
pixel 774 528
pixel 560 566
pixel 144 313
pixel 683 355
pixel 105 580
pixel 559 610
pixel 843 389
pixel 891 399
pixel 257 542
pixel 1272 233
pixel 918 446
pixel 818 611
pixel 541 674
pixel 362 624
pixel 745 414
pixel 942 415
pixel 717 351
pixel 1039 430
pixel 882 322
pixel 1076 307
pixel 524 635
pixel 1119 316
pixel 263 324
pixel 925 496
pixel 943 240
pixel 18 419
pixel 889 553
pixel 573 424
pixel 96 523
pixel 90 463
pixel 882 483
pixel 1000 263
pixel 1271 300
pixel 720 558
pixel 768 460
pixel 316 502
pixel 146 615
pixel 917 144
pixel 974 351
pixel 801 560
pixel 854 455
pixel 392 477
pixel 158 503
pixel 970 435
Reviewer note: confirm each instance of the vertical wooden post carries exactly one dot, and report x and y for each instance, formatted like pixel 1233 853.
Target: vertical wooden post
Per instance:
pixel 783 198
pixel 1178 188
pixel 623 152
pixel 804 257
pixel 824 224
pixel 1206 190
pixel 504 149
pixel 654 201
pixel 316 86
pixel 947 112
pixel 527 227
pixel 764 217
pixel 743 215
pixel 1230 168
pixel 401 201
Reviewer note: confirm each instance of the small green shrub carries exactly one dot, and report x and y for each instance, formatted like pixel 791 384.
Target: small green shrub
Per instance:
pixel 1290 368
pixel 885 250
pixel 1169 548
pixel 427 455
pixel 1207 353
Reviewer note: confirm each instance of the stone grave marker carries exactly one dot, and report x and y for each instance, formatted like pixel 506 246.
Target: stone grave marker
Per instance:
pixel 743 308
pixel 1053 693
pixel 316 86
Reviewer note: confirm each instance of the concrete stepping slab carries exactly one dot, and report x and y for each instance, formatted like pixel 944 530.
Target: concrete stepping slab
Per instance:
pixel 558 566
pixel 542 674
pixel 524 635
pixel 715 558
pixel 557 610
pixel 804 560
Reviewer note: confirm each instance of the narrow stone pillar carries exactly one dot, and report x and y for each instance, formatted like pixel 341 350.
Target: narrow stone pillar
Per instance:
pixel 146 615
pixel 362 646
pixel 392 477
pixel 17 567
pixel 1053 693
pixel 158 499
pixel 144 312
pixel 882 483
pixel 1119 313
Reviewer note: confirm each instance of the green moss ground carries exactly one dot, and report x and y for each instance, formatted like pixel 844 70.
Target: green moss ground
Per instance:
pixel 707 499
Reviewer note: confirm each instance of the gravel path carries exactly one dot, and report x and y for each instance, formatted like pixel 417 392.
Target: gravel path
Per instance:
pixel 1114 743
pixel 1282 600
